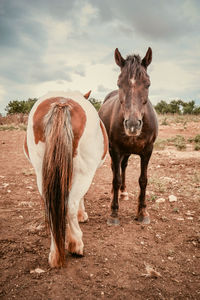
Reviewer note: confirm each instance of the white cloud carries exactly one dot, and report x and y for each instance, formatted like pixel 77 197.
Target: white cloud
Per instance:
pixel 87 13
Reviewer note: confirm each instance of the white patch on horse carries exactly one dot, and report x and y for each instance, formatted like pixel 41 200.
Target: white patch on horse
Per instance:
pixel 132 80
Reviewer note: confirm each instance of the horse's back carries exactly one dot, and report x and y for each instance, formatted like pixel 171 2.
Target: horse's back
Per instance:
pixel 111 95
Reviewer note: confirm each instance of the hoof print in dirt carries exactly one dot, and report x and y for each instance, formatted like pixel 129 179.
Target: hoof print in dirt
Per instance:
pixel 113 221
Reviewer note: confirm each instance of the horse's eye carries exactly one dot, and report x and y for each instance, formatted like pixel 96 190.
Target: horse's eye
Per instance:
pixel 119 85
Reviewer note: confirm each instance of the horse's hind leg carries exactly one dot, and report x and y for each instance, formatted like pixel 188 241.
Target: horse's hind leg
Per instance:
pixel 124 163
pixel 82 215
pixel 81 184
pixel 142 214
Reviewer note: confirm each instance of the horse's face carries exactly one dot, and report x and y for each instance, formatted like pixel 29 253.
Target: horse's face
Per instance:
pixel 133 83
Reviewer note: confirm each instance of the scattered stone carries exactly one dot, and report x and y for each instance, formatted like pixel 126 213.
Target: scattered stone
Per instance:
pixel 37 270
pixel 170 257
pixel 189 213
pixel 30 187
pixel 160 200
pixel 155 206
pixel 151 272
pixel 172 198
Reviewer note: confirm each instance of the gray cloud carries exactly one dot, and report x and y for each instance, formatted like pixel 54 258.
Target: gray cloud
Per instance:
pixel 33 51
pixel 102 89
pixel 155 19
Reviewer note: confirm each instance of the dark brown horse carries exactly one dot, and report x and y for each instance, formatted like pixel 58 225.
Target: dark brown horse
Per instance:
pixel 132 127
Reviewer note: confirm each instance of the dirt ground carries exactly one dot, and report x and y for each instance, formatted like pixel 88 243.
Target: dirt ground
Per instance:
pixel 130 261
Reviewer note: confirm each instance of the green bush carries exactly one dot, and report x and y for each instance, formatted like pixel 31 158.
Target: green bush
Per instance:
pixel 16 106
pixel 95 103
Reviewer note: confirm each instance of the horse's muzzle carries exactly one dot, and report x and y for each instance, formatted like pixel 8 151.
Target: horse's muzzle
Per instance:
pixel 133 128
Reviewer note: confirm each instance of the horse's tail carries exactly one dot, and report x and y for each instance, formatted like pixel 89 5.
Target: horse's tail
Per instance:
pixel 57 172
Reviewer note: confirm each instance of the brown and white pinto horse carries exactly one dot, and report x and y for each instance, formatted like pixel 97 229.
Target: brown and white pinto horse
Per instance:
pixel 66 142
pixel 131 125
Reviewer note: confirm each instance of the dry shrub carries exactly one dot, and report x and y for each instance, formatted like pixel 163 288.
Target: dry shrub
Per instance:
pixel 15 119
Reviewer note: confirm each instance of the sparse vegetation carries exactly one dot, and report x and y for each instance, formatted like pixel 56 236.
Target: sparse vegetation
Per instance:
pixel 195 141
pixel 7 127
pixel 96 103
pixel 160 144
pixel 179 107
pixel 178 141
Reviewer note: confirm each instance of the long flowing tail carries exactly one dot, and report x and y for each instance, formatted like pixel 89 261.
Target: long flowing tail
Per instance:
pixel 57 172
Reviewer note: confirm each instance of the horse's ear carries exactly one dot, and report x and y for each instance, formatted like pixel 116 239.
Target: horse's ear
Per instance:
pixel 87 95
pixel 148 58
pixel 120 61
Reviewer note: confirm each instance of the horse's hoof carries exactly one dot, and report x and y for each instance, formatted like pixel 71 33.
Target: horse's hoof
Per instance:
pixel 124 196
pixel 144 219
pixel 113 221
pixel 82 217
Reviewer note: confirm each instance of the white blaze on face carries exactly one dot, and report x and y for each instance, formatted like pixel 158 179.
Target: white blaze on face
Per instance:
pixel 132 80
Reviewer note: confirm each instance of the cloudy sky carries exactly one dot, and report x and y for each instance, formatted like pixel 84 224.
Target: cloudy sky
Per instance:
pixel 50 45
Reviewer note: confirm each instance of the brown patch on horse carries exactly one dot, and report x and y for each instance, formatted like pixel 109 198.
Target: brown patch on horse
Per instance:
pixel 78 119
pixel 105 137
pixel 26 147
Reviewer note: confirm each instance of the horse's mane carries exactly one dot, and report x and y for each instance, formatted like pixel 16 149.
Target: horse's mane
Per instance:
pixel 133 67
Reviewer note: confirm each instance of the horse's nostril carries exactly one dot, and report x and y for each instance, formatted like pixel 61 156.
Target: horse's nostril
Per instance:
pixel 139 123
pixel 126 123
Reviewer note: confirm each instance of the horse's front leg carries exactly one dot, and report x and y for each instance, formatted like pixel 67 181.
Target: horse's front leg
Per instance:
pixel 124 193
pixel 142 214
pixel 116 183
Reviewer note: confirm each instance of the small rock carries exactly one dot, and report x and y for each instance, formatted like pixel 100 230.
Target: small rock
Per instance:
pixel 30 187
pixel 37 270
pixel 160 200
pixel 170 257
pixel 172 198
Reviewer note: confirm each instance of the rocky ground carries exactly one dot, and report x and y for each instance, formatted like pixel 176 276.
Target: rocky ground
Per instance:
pixel 130 261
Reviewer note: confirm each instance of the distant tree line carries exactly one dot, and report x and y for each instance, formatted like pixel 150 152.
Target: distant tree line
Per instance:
pixel 24 107
pixel 162 107
pixel 177 107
